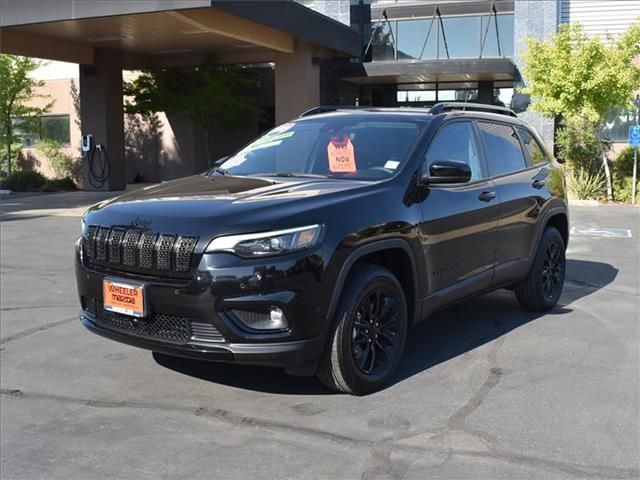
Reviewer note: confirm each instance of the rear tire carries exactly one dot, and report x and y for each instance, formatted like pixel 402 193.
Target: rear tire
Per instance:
pixel 541 290
pixel 369 331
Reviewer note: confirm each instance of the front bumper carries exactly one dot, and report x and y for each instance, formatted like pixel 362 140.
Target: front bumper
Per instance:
pixel 221 283
pixel 296 357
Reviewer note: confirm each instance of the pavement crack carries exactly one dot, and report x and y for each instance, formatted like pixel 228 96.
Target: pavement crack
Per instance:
pixel 383 448
pixel 11 392
pixel 593 471
pixel 235 419
pixel 458 419
pixel 31 331
pixel 216 413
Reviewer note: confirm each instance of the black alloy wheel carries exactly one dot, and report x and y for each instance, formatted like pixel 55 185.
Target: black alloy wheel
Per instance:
pixel 366 343
pixel 375 331
pixel 541 289
pixel 552 269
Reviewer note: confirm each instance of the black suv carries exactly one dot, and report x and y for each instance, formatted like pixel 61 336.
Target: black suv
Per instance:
pixel 318 245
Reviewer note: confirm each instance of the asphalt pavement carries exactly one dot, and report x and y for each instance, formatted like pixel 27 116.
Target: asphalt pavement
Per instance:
pixel 486 391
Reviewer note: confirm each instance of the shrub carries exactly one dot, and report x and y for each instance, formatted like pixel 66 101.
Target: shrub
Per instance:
pixel 623 176
pixel 622 189
pixel 65 184
pixel 16 150
pixel 623 164
pixel 27 181
pixel 63 165
pixel 578 145
pixel 585 185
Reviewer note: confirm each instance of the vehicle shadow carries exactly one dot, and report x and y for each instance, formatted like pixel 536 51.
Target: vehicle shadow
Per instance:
pixel 445 335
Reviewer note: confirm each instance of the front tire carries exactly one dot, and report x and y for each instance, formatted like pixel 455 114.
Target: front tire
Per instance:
pixel 542 288
pixel 369 333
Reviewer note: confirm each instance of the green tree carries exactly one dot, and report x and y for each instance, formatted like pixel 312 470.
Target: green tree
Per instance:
pixel 574 75
pixel 212 96
pixel 17 89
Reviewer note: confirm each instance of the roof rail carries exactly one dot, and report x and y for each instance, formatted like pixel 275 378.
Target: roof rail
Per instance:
pixel 476 107
pixel 329 108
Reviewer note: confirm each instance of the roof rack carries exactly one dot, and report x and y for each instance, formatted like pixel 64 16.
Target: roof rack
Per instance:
pixel 476 107
pixel 329 108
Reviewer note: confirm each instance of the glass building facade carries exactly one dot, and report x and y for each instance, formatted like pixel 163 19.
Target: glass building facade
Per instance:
pixel 423 49
pixel 455 37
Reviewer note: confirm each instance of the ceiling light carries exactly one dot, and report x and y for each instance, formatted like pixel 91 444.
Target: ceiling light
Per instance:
pixel 195 31
pixel 113 38
pixel 174 50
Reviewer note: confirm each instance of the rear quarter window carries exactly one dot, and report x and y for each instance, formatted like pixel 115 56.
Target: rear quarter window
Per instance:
pixel 533 148
pixel 502 148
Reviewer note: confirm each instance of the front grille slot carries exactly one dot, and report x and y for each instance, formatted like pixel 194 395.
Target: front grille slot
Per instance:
pixel 90 241
pixel 101 243
pixel 159 326
pixel 115 241
pixel 146 248
pixel 184 249
pixel 130 247
pixel 139 251
pixel 163 253
pixel 205 332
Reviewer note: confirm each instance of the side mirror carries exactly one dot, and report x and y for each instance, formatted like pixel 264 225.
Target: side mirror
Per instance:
pixel 447 171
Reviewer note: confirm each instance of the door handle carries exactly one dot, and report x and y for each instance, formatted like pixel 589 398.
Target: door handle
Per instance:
pixel 538 183
pixel 487 196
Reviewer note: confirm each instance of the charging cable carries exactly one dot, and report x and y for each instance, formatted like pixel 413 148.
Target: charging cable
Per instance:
pixel 97 161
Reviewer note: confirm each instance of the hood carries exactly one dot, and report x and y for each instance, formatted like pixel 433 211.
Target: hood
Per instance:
pixel 209 204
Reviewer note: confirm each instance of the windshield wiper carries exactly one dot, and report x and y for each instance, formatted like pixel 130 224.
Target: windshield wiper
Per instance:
pixel 292 174
pixel 220 170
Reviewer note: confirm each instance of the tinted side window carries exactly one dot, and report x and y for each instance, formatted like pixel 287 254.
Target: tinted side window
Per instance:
pixel 456 141
pixel 536 154
pixel 502 148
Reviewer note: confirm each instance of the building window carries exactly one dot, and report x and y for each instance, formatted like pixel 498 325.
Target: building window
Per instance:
pixel 426 94
pixel 412 35
pixel 617 123
pixel 502 96
pixel 463 36
pixel 505 29
pixel 52 127
pixel 383 45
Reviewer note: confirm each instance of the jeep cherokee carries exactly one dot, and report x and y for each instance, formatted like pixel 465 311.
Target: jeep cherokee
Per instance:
pixel 317 246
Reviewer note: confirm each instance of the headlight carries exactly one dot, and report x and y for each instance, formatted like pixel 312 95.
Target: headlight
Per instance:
pixel 268 243
pixel 83 226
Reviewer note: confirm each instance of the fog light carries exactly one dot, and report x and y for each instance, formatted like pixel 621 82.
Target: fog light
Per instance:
pixel 274 319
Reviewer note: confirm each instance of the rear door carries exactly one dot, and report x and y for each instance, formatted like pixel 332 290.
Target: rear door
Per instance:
pixel 520 185
pixel 459 221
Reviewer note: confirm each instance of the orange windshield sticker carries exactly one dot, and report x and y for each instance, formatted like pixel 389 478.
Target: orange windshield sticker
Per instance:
pixel 341 155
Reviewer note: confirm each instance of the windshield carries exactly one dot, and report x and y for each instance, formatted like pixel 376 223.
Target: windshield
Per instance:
pixel 333 147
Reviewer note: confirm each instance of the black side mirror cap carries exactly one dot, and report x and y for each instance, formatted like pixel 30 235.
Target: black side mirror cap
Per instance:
pixel 447 171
